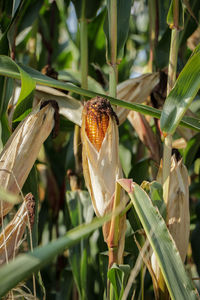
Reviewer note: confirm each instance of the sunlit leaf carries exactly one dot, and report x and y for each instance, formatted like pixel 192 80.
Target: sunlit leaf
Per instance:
pixel 181 96
pixel 179 284
pixel 10 70
pixel 26 264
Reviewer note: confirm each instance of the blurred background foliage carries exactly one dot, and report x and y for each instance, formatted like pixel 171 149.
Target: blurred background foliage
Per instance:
pixel 45 35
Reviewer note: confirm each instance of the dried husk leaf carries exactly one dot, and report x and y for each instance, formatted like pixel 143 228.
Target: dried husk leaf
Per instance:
pixel 135 90
pixel 11 236
pixel 178 205
pixel 21 150
pixel 179 143
pixel 145 133
pixel 69 107
pixel 194 39
pixel 177 208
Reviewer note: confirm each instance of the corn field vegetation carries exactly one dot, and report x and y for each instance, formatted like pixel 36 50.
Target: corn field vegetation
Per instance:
pixel 100 149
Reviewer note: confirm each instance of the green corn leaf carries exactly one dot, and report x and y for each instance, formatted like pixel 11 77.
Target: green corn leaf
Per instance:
pixel 8 68
pixel 180 286
pixel 123 16
pixel 27 86
pixel 181 96
pixel 91 7
pixel 171 15
pixel 118 276
pixel 26 264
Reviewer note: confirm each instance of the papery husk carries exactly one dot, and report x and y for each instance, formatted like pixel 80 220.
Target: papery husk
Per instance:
pixel 145 133
pixel 194 39
pixel 135 90
pixel 101 170
pixel 69 107
pixel 11 236
pixel 21 150
pixel 178 214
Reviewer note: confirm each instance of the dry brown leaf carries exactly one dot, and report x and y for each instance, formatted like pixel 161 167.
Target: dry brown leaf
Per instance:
pixel 177 208
pixel 145 133
pixel 11 236
pixel 135 90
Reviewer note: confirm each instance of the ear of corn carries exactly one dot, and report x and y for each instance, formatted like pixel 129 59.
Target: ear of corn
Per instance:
pixel 21 150
pixel 96 124
pixel 100 157
pixel 11 236
pixel 101 167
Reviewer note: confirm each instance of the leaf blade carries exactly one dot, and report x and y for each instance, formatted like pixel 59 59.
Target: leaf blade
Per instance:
pixel 12 71
pixel 178 283
pixel 181 96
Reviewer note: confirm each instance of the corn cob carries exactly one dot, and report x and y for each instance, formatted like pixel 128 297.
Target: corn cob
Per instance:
pixel 98 113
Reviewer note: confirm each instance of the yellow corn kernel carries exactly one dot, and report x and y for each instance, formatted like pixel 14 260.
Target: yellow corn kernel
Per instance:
pixel 96 123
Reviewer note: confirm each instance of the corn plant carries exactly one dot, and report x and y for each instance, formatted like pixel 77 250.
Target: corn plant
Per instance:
pixel 99 149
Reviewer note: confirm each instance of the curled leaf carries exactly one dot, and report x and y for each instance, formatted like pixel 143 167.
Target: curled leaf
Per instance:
pixel 178 205
pixel 135 90
pixel 68 106
pixel 21 150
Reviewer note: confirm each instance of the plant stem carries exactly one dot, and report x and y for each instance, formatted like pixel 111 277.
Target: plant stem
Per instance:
pixel 113 238
pixel 168 139
pixel 84 47
pixel 173 55
pixel 166 167
pixel 77 150
pixel 114 229
pixel 84 82
pixel 113 48
pixel 153 30
pixel 113 80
